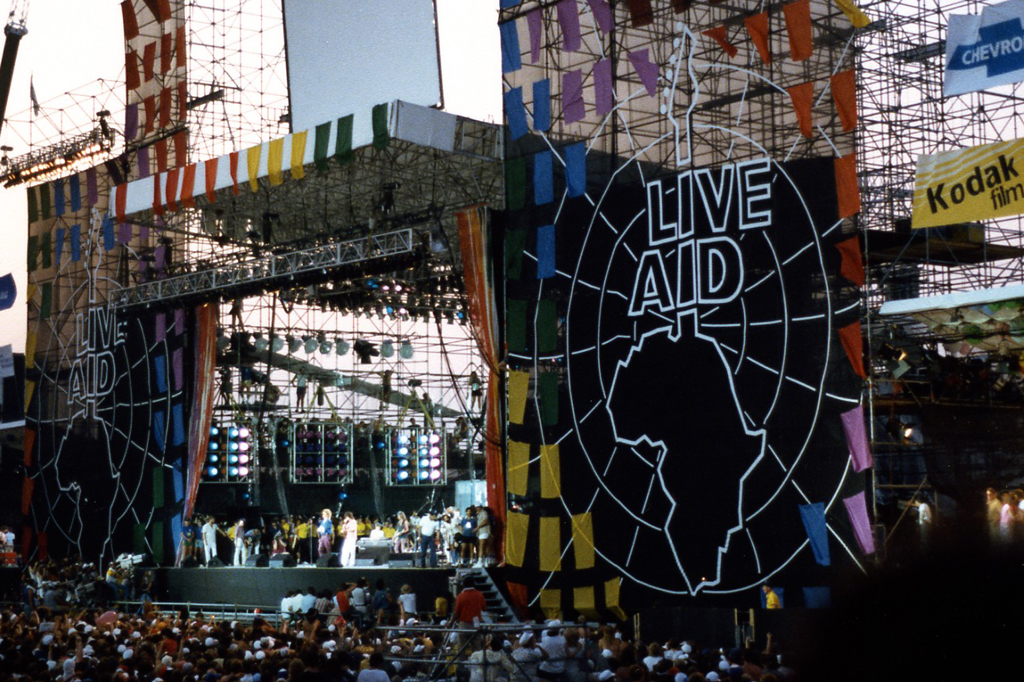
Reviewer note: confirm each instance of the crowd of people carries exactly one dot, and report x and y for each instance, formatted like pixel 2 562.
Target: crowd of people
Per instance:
pixel 328 642
pixel 447 537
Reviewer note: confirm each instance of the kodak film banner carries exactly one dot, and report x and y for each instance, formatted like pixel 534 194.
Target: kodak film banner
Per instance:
pixel 985 50
pixel 969 184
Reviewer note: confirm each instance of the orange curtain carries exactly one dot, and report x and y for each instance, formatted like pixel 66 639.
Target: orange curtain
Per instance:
pixel 203 398
pixel 479 277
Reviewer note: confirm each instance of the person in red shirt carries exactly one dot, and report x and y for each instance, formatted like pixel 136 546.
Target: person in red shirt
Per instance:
pixel 469 608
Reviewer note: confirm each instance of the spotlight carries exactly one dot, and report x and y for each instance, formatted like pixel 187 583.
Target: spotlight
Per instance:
pixel 309 344
pixel 277 343
pixel 406 350
pixel 341 346
pixel 325 347
pixel 294 344
pixel 387 350
pixel 261 343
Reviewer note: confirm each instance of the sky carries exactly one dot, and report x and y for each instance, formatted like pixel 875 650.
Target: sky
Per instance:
pixel 71 44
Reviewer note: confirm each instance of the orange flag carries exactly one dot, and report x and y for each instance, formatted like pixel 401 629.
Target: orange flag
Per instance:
pixel 802 95
pixel 719 36
pixel 798 25
pixel 757 27
pixel 847 190
pixel 853 344
pixel 844 94
pixel 852 266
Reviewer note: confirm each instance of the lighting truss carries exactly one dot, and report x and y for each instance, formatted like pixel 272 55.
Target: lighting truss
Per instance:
pixel 264 273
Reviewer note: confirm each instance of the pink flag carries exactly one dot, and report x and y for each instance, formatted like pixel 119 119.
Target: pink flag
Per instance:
pixel 857 509
pixel 857 439
pixel 647 71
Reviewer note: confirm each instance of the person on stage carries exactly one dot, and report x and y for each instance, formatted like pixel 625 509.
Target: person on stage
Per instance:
pixel 428 539
pixel 188 540
pixel 302 534
pixel 402 533
pixel 771 600
pixel 348 543
pixel 209 533
pixel 326 532
pixel 241 551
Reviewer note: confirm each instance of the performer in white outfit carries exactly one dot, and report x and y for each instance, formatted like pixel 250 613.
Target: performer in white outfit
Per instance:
pixel 349 529
pixel 241 551
pixel 209 539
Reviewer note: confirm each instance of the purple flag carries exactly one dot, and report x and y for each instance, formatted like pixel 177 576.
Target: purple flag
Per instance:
pixel 131 122
pixel 602 15
pixel 857 438
pixel 533 23
pixel 160 327
pixel 179 321
pixel 178 368
pixel 91 191
pixel 647 71
pixel 569 20
pixel 573 107
pixel 143 157
pixel 159 256
pixel 604 99
pixel 144 233
pixel 124 233
pixel 857 509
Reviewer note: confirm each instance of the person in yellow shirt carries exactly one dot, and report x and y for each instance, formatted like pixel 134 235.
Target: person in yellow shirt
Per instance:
pixel 362 527
pixel 771 600
pixel 389 529
pixel 302 532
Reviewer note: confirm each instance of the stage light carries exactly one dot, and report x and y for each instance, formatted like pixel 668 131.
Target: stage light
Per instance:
pixel 423 438
pixel 403 451
pixel 261 343
pixel 403 475
pixel 232 471
pixel 276 343
pixel 406 350
pixel 386 349
pixel 340 346
pixel 243 459
pixel 325 347
pixel 243 471
pixel 309 343
pixel 214 430
pixel 294 344
pixel 232 432
pixel 243 432
pixel 222 342
pixel 424 475
pixel 434 438
pixel 403 439
pixel 402 463
pixel 434 475
pixel 424 463
pixel 212 471
pixel 214 446
pixel 435 462
pixel 233 446
pixel 233 459
pixel 435 451
pixel 214 459
pixel 243 446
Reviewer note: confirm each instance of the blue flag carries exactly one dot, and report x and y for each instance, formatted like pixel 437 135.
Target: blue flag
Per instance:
pixel 8 291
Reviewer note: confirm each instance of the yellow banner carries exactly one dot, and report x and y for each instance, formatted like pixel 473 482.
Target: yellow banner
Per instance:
pixel 967 185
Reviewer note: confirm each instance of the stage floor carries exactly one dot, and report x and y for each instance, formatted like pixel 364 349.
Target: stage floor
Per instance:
pixel 267 586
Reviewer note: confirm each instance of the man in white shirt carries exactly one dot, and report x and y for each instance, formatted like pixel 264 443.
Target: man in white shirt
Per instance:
pixel 428 539
pixel 209 539
pixel 241 551
pixel 553 644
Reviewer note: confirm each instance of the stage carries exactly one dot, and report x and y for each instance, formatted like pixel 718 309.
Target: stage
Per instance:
pixel 267 586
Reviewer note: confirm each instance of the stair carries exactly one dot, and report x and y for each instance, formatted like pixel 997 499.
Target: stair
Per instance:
pixel 498 608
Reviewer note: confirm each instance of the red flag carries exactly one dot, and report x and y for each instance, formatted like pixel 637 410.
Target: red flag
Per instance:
pixel 211 180
pixel 640 12
pixel 844 94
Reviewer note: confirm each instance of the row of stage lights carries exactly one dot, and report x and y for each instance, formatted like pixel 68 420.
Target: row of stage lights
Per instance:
pixel 229 453
pixel 311 344
pixel 416 459
pixel 321 452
